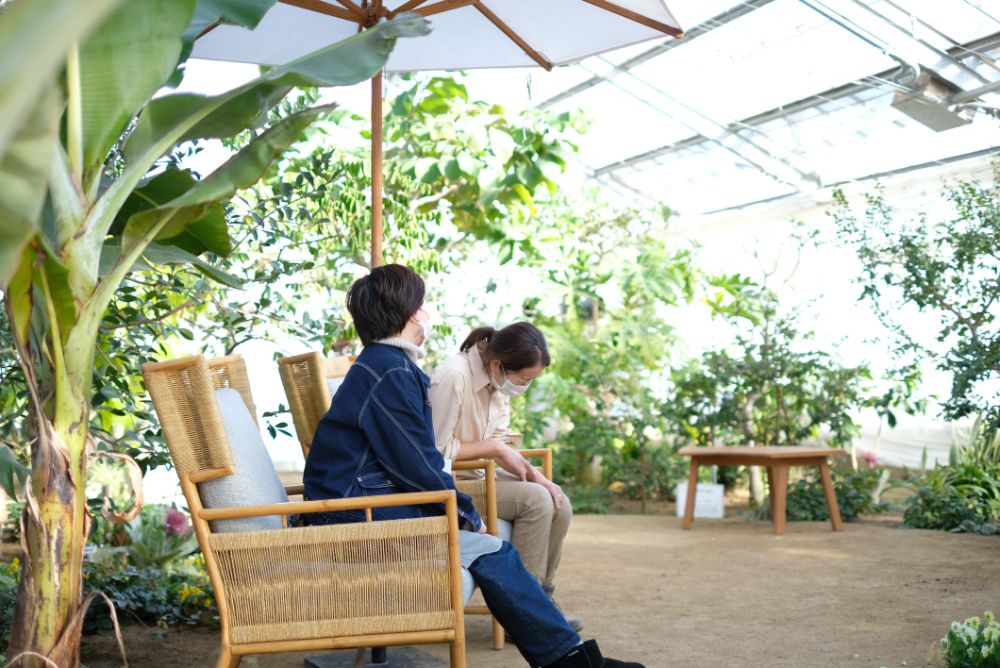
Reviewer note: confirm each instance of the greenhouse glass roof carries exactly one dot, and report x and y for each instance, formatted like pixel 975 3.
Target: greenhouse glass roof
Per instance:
pixel 767 99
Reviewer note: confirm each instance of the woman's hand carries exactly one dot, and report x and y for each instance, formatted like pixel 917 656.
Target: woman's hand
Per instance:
pixel 555 491
pixel 510 460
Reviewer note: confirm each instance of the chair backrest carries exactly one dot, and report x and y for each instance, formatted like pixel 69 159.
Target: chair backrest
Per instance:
pixel 310 381
pixel 206 411
pixel 183 395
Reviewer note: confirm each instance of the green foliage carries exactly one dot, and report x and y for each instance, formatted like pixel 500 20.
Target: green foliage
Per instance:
pixel 962 497
pixel 856 492
pixel 10 577
pixel 181 594
pixel 588 500
pixel 770 390
pixel 150 594
pixel 974 643
pixel 607 280
pixel 157 538
pixel 947 269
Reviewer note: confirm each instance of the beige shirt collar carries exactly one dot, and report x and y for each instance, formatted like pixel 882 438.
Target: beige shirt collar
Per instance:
pixel 480 378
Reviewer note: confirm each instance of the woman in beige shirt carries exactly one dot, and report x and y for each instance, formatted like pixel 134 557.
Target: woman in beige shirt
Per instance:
pixel 470 406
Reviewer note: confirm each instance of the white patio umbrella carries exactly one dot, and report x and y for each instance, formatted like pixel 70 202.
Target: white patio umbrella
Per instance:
pixel 467 34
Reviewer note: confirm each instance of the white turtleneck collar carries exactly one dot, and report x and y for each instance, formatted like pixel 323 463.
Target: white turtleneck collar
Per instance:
pixel 414 352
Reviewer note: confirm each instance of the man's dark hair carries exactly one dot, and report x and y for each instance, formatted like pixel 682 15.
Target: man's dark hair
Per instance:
pixel 384 300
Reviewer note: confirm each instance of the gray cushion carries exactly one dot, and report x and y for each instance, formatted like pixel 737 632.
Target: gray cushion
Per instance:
pixel 504 529
pixel 255 481
pixel 468 586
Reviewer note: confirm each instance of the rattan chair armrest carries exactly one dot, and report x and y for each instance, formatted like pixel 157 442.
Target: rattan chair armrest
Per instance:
pixel 545 454
pixel 292 490
pixel 472 464
pixel 327 505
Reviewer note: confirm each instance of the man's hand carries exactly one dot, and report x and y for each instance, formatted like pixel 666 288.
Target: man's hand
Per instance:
pixel 510 460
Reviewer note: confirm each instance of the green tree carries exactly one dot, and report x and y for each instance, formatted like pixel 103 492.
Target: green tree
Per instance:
pixel 454 176
pixel 89 195
pixel 607 281
pixel 947 269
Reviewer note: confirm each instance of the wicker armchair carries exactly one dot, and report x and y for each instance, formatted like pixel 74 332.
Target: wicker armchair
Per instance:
pixel 314 588
pixel 307 379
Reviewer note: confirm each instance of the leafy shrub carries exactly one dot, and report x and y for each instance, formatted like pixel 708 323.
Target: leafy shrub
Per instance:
pixel 855 495
pixel 150 594
pixel 973 643
pixel 147 570
pixel 181 595
pixel 588 500
pixel 10 576
pixel 963 497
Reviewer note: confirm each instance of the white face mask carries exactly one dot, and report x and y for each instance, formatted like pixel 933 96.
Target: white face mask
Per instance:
pixel 425 327
pixel 509 389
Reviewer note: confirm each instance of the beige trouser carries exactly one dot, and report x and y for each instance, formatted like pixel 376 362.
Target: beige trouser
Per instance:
pixel 539 529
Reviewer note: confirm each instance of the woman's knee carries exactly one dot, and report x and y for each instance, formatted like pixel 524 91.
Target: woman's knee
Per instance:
pixel 531 501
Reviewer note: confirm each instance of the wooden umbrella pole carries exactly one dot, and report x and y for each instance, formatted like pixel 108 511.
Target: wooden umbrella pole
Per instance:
pixel 377 170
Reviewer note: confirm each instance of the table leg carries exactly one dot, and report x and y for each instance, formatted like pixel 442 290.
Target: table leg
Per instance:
pixel 831 496
pixel 692 489
pixel 780 497
pixel 770 489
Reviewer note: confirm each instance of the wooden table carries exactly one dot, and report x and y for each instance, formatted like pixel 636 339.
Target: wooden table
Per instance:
pixel 777 459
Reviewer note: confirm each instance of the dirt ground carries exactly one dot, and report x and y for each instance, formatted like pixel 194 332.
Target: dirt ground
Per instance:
pixel 726 593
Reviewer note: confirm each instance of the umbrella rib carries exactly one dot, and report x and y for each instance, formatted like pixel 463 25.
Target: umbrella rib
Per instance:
pixel 324 8
pixel 443 6
pixel 517 39
pixel 405 7
pixel 666 28
pixel 354 9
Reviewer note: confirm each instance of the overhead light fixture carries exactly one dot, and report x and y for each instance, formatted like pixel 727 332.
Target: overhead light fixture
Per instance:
pixel 928 103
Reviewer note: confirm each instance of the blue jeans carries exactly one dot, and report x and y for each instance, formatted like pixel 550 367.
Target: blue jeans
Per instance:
pixel 518 602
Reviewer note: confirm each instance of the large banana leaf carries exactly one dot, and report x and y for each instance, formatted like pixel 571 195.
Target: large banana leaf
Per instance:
pixel 175 118
pixel 156 254
pixel 34 38
pixel 343 63
pixel 246 13
pixel 241 171
pixel 10 470
pixel 209 233
pixel 24 175
pixel 125 61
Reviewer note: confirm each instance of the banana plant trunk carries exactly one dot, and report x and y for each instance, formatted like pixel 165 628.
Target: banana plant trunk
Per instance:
pixel 48 617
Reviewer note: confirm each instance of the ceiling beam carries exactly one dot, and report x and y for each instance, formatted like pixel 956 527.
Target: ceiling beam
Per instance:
pixel 717 21
pixel 770 158
pixel 988 43
pixel 897 41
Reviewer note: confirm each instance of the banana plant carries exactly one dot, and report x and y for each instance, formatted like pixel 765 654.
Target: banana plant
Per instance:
pixel 86 196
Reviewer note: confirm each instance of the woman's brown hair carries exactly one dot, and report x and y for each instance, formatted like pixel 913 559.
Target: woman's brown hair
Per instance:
pixel 517 346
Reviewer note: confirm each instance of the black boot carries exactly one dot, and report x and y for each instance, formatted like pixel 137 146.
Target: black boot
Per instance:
pixel 588 655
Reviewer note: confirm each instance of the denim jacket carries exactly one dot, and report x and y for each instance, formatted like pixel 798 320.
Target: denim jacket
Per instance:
pixel 378 438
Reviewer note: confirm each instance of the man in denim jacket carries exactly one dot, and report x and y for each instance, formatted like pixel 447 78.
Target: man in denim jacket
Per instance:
pixel 378 438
